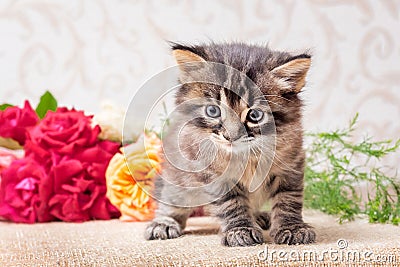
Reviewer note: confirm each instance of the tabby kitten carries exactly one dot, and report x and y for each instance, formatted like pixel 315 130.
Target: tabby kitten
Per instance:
pixel 234 119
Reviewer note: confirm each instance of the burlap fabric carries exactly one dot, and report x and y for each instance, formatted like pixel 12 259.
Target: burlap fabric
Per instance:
pixel 115 243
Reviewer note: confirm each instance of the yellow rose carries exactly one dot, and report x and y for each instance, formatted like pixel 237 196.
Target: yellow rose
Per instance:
pixel 130 176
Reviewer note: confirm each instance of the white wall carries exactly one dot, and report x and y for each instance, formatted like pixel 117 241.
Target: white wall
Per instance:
pixel 89 51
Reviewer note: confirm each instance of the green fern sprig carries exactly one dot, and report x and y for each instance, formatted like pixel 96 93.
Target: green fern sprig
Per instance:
pixel 336 170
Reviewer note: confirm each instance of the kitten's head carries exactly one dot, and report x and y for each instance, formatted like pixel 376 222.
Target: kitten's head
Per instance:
pixel 229 110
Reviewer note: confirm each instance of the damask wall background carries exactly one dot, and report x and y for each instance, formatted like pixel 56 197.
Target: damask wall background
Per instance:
pixel 85 52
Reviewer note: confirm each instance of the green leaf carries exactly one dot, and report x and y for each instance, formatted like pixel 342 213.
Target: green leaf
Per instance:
pixel 47 102
pixel 4 106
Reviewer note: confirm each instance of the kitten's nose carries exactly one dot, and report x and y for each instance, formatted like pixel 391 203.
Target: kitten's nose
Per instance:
pixel 231 138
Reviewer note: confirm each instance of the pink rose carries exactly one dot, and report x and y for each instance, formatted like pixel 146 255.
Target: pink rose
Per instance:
pixel 75 188
pixel 19 190
pixel 63 131
pixel 15 122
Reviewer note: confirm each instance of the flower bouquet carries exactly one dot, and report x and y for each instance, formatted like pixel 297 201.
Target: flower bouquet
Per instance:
pixel 60 171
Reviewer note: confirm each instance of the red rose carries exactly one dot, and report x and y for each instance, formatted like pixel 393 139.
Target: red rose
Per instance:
pixel 63 132
pixel 19 190
pixel 63 174
pixel 15 122
pixel 75 188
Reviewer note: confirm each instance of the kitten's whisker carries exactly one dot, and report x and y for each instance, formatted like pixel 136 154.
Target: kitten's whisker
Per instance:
pixel 285 164
pixel 180 149
pixel 206 149
pixel 275 158
pixel 279 163
pixel 280 97
pixel 269 101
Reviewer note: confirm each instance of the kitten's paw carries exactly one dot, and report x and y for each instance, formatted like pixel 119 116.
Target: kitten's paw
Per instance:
pixel 242 236
pixel 263 219
pixel 294 234
pixel 163 228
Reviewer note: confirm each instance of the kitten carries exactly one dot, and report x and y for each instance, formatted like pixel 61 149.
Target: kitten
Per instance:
pixel 236 119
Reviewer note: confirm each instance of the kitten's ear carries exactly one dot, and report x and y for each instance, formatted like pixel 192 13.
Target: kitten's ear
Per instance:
pixel 294 71
pixel 191 63
pixel 184 56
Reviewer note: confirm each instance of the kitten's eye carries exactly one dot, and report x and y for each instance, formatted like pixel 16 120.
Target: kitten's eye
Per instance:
pixel 213 111
pixel 255 115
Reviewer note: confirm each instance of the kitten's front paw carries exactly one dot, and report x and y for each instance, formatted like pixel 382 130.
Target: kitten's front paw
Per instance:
pixel 242 236
pixel 163 228
pixel 294 234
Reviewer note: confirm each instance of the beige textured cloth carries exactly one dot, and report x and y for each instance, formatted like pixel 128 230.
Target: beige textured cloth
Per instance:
pixel 115 243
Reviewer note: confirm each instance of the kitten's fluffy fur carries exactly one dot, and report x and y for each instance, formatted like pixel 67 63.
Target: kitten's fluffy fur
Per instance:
pixel 280 77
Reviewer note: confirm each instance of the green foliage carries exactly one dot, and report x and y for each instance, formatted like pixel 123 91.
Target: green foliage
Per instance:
pixel 47 102
pixel 4 106
pixel 338 167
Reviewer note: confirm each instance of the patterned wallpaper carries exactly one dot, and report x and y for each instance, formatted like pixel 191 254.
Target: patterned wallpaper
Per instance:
pixel 89 51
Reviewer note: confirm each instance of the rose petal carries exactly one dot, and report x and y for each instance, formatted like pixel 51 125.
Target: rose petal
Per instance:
pixel 65 170
pixel 28 183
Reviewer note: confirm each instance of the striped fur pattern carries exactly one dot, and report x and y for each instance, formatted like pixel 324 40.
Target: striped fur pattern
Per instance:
pixel 280 77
